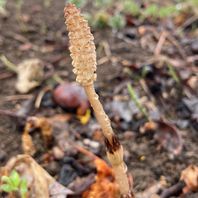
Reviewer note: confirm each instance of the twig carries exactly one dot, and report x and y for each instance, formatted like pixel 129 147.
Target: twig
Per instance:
pixel 174 190
pixel 160 43
pixel 16 97
pixel 177 45
pixel 187 23
pixel 12 67
pixel 40 96
pixel 12 115
pixel 5 75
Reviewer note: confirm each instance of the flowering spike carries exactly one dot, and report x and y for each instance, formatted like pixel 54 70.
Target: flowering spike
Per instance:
pixel 82 47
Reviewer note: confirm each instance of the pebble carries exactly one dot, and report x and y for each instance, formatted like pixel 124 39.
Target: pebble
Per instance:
pixel 58 153
pixel 91 143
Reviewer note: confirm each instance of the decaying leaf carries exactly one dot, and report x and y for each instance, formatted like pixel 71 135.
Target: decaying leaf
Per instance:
pixel 167 135
pixel 29 75
pixel 46 130
pixel 190 177
pixel 152 191
pixel 84 119
pixel 105 185
pixel 40 183
pixel 27 143
pixel 71 96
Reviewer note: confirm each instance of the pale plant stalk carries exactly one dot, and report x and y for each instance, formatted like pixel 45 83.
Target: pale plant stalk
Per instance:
pixel 82 49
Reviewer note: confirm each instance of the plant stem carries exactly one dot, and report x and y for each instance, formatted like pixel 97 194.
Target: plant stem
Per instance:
pixel 114 149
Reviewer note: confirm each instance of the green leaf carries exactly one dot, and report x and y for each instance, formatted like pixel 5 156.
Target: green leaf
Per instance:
pixel 151 11
pixel 167 11
pixel 117 21
pixel 173 73
pixel 6 188
pixel 5 179
pixel 78 3
pixel 131 7
pixel 102 3
pixel 101 19
pixel 2 3
pixel 135 99
pixel 15 178
pixel 23 188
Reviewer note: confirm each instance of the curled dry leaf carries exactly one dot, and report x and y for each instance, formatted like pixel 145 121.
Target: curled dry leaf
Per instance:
pixel 29 75
pixel 105 185
pixel 46 130
pixel 167 135
pixel 190 177
pixel 40 183
pixel 71 96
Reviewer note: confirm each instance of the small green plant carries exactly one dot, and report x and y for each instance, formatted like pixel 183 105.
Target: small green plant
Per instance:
pixel 78 3
pixel 13 183
pixel 173 73
pixel 19 4
pixel 135 99
pixel 2 3
pixel 151 11
pixel 102 3
pixel 2 6
pixel 117 21
pixel 101 19
pixel 112 13
pixel 130 7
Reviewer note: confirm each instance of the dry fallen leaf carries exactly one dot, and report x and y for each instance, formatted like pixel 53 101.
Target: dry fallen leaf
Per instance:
pixel 190 177
pixel 105 185
pixel 84 119
pixel 46 130
pixel 169 137
pixel 29 75
pixel 40 183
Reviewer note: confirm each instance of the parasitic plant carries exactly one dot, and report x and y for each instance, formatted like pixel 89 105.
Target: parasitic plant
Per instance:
pixel 83 54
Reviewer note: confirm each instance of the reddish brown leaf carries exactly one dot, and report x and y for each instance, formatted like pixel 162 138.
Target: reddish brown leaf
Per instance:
pixel 169 137
pixel 190 177
pixel 105 186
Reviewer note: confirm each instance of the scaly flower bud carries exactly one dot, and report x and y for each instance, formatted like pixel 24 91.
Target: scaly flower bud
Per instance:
pixel 82 47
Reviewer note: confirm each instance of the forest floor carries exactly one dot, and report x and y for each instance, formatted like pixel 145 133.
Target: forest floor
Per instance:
pixel 163 76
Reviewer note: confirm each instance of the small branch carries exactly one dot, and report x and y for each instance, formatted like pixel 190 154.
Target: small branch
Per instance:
pixel 12 67
pixel 19 118
pixel 160 43
pixel 174 190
